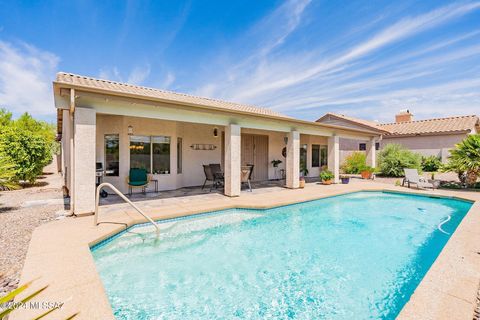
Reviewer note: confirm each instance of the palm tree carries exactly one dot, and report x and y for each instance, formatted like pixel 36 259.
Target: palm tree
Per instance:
pixel 465 159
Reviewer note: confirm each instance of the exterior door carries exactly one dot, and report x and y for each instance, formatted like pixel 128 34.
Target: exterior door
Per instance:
pixel 255 151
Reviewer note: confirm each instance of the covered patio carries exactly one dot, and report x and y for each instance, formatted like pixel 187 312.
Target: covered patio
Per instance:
pixel 118 127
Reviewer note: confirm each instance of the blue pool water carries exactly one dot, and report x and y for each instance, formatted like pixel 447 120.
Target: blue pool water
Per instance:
pixel 356 256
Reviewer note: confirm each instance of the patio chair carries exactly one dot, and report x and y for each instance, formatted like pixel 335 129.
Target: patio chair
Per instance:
pixel 412 177
pixel 137 178
pixel 246 176
pixel 215 178
pixel 217 172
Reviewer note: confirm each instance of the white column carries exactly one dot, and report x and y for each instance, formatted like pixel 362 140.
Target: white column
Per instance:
pixel 292 164
pixel 371 153
pixel 334 157
pixel 232 160
pixel 84 161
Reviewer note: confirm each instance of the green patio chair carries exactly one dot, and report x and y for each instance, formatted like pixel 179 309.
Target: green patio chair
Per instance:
pixel 138 178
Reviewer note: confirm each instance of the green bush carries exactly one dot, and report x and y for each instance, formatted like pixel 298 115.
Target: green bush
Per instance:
pixel 465 160
pixel 326 175
pixel 29 152
pixel 26 146
pixel 355 163
pixel 394 158
pixel 431 163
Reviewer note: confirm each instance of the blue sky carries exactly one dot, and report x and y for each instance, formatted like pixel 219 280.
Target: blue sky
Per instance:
pixel 303 58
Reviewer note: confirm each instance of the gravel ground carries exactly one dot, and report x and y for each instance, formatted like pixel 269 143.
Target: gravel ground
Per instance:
pixel 21 211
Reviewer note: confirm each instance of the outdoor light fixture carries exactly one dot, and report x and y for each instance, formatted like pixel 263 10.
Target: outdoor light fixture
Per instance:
pixel 285 139
pixel 130 130
pixel 215 132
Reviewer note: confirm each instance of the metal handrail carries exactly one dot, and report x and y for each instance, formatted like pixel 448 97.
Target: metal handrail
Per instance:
pixel 106 184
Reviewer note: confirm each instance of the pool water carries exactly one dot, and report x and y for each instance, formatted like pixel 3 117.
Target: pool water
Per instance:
pixel 355 256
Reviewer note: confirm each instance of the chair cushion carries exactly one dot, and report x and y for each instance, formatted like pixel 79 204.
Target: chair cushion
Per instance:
pixel 137 177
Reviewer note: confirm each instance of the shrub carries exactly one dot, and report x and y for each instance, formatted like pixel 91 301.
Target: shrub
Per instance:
pixel 465 160
pixel 29 152
pixel 7 174
pixel 393 159
pixel 431 163
pixel 354 163
pixel 326 175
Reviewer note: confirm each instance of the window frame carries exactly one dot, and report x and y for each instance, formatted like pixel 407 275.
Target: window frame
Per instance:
pixel 362 146
pixel 151 142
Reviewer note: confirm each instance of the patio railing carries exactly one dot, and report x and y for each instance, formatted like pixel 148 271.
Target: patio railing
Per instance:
pixel 97 202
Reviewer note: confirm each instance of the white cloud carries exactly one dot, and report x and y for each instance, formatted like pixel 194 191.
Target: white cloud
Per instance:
pixel 137 76
pixel 319 78
pixel 26 75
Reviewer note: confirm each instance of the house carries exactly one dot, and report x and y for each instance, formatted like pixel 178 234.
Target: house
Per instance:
pixel 122 126
pixel 427 137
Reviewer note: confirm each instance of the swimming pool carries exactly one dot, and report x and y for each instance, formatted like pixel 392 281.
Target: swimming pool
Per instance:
pixel 357 256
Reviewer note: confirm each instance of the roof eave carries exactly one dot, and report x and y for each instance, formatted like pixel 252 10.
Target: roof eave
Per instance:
pixel 59 85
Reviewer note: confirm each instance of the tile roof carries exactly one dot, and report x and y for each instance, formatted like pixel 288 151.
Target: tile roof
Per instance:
pixel 113 87
pixel 432 126
pixel 366 123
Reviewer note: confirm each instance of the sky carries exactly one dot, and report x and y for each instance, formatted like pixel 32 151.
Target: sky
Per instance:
pixel 303 58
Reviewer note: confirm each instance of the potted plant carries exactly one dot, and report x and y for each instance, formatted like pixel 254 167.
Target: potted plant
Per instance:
pixel 304 172
pixel 302 182
pixel 367 172
pixel 326 177
pixel 345 179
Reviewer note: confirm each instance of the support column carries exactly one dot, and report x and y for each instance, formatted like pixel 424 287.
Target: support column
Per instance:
pixel 84 161
pixel 292 164
pixel 371 153
pixel 334 157
pixel 232 160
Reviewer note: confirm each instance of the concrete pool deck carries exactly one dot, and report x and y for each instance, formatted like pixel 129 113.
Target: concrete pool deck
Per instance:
pixel 59 252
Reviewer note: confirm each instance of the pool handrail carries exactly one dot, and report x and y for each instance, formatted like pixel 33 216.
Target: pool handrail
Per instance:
pixel 97 202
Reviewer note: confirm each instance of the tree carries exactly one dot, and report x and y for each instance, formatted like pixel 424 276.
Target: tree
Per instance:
pixel 394 158
pixel 465 159
pixel 28 151
pixel 7 174
pixel 5 117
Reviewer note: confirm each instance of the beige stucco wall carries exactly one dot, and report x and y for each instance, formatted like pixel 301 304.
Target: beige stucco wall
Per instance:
pixel 438 145
pixel 192 170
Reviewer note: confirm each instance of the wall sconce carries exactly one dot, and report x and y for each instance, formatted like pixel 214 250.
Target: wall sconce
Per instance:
pixel 285 139
pixel 130 130
pixel 215 132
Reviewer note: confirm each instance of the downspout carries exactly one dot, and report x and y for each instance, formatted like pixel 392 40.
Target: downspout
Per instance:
pixel 72 150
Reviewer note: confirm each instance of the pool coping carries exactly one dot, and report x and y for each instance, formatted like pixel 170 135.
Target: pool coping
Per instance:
pixel 452 279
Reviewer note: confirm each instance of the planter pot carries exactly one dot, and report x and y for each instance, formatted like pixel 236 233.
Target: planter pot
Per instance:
pixel 366 174
pixel 327 182
pixel 302 184
pixel 345 180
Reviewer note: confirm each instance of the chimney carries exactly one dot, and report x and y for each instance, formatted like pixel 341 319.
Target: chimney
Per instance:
pixel 403 116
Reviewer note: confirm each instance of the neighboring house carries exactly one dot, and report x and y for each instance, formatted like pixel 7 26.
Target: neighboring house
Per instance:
pixel 428 137
pixel 120 126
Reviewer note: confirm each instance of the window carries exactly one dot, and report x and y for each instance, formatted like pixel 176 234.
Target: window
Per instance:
pixel 362 146
pixel 161 155
pixel 151 153
pixel 303 156
pixel 315 155
pixel 179 155
pixel 323 156
pixel 140 156
pixel 377 145
pixel 112 155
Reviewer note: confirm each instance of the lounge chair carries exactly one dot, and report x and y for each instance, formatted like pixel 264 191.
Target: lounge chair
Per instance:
pixel 246 176
pixel 137 178
pixel 412 177
pixel 214 175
